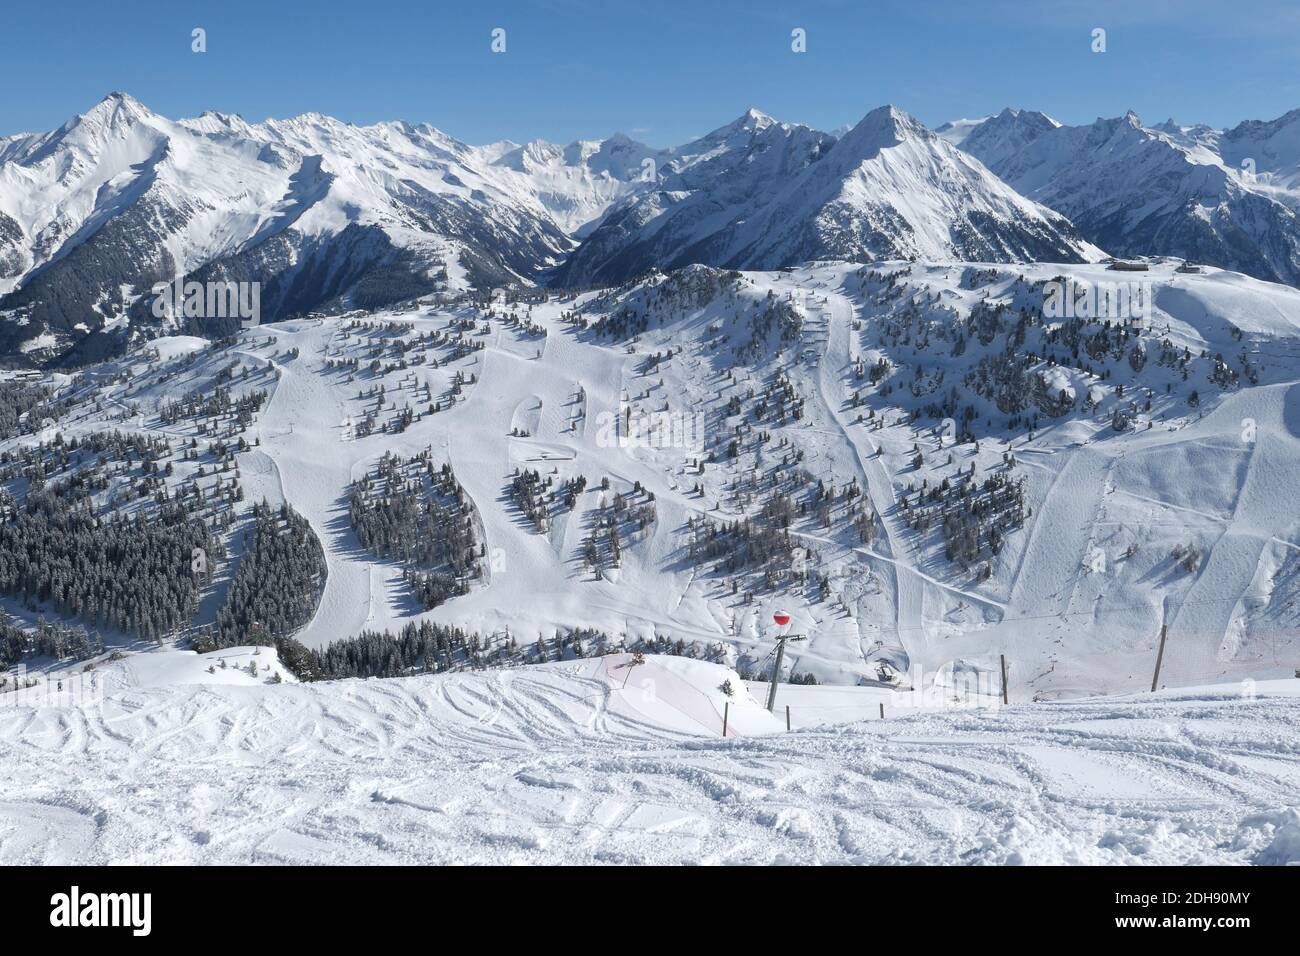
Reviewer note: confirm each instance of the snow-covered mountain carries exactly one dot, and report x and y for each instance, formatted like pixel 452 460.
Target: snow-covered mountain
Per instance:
pixel 1198 135
pixel 578 183
pixel 995 138
pixel 1166 190
pixel 326 215
pixel 708 187
pixel 758 194
pixel 316 210
pixel 1268 154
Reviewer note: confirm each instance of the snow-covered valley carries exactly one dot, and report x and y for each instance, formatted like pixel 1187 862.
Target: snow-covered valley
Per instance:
pixel 859 397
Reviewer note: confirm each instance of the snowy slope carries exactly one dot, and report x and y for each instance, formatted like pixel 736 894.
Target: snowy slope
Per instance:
pixel 1075 598
pixel 954 131
pixel 562 764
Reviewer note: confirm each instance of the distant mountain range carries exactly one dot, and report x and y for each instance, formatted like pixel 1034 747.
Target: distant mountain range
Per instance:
pixel 759 194
pixel 1229 199
pixel 325 215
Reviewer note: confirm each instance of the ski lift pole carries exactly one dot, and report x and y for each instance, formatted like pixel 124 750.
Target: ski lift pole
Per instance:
pixel 782 619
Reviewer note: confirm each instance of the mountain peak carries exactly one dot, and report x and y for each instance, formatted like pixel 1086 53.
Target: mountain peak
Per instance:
pixel 1007 130
pixel 115 116
pixel 120 97
pixel 1032 117
pixel 883 127
pixel 750 121
pixel 891 116
pixel 115 109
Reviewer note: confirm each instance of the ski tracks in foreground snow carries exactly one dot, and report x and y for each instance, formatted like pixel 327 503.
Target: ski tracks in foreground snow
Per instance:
pixel 559 764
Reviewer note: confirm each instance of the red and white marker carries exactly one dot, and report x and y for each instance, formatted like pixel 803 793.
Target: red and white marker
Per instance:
pixel 781 618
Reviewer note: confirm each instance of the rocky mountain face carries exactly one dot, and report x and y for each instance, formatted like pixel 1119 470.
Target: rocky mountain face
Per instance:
pixel 758 194
pixel 1227 199
pixel 995 138
pixel 319 212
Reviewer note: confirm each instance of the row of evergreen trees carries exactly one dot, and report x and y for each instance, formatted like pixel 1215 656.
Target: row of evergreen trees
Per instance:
pixel 59 641
pixel 416 648
pixel 411 512
pixel 278 584
pixel 133 574
pixel 24 406
pixel 430 648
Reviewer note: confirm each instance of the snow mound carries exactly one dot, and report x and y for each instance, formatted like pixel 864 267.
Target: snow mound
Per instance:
pixel 236 666
pixel 1281 829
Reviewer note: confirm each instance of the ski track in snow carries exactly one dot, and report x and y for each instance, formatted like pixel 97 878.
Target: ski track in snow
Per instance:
pixel 832 364
pixel 559 764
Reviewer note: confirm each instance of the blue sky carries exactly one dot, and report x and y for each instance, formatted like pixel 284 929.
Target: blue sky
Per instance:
pixel 660 70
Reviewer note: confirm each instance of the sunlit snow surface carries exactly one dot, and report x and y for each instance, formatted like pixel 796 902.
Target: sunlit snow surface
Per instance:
pixel 601 760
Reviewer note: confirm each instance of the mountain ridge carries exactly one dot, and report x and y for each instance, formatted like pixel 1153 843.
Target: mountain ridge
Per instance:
pixel 119 198
pixel 329 215
pixel 887 188
pixel 1226 198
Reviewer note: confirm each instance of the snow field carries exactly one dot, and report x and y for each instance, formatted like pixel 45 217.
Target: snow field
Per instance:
pixel 559 763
